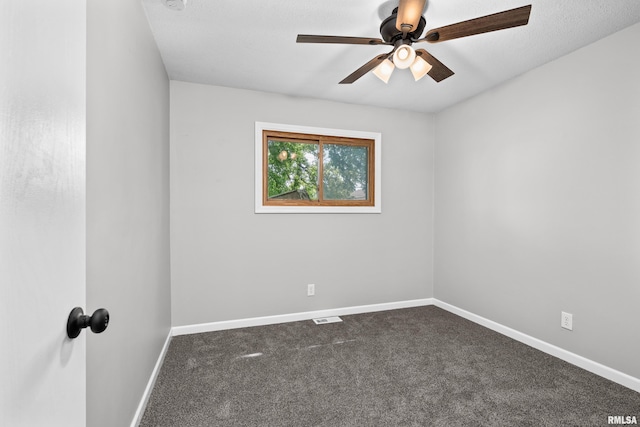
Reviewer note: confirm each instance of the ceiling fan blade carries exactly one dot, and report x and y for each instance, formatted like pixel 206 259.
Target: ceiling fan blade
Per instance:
pixel 365 68
pixel 409 13
pixel 438 71
pixel 497 21
pixel 308 38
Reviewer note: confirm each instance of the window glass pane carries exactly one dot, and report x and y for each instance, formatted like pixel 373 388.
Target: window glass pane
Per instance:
pixel 345 172
pixel 292 170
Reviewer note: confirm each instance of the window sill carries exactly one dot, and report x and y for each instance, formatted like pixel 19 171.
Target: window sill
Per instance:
pixel 317 209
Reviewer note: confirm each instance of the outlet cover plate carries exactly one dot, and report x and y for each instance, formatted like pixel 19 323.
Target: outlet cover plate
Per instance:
pixel 566 321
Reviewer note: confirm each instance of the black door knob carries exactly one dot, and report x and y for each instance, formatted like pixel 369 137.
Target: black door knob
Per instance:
pixel 97 322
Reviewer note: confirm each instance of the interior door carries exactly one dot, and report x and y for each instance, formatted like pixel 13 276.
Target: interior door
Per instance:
pixel 42 211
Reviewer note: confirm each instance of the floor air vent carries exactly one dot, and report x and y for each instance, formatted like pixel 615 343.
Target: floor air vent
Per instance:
pixel 324 320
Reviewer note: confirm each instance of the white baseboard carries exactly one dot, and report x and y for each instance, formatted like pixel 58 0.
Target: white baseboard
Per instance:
pixel 582 362
pixel 295 317
pixel 152 381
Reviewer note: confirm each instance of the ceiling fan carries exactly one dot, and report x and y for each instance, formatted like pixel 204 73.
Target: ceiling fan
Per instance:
pixel 404 27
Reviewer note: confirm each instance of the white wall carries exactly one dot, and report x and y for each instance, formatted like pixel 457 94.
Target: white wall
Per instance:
pixel 537 206
pixel 229 263
pixel 127 207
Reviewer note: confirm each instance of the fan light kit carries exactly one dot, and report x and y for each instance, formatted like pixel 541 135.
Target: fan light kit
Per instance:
pixel 420 68
pixel 404 27
pixel 384 70
pixel 403 57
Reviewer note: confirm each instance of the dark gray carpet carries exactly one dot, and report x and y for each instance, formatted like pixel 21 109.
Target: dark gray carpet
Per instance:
pixel 410 367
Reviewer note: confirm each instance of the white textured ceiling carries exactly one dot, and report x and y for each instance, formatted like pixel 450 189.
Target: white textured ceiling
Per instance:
pixel 252 45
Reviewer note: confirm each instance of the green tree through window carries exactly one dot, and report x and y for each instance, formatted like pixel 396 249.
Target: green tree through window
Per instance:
pixel 294 175
pixel 345 172
pixel 293 167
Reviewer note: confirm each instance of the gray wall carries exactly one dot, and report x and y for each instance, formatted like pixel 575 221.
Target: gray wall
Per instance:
pixel 537 205
pixel 229 263
pixel 127 207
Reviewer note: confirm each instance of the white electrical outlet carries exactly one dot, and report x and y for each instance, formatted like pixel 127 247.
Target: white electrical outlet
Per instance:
pixel 311 290
pixel 566 321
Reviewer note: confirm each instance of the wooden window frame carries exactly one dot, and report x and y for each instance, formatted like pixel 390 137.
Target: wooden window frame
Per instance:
pixel 321 136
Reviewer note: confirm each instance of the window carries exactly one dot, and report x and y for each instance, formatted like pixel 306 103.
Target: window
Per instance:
pixel 306 170
pixel 302 169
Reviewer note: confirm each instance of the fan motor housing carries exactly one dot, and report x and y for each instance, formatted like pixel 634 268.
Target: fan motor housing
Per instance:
pixel 390 33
